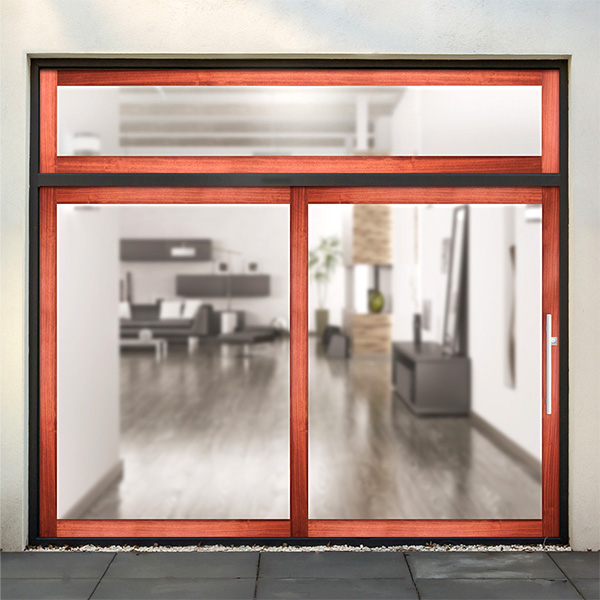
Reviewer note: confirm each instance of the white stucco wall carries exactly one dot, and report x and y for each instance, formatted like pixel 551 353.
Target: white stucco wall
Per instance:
pixel 368 28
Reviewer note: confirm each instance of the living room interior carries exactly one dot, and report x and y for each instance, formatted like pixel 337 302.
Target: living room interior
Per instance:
pixel 177 316
pixel 423 344
pixel 173 347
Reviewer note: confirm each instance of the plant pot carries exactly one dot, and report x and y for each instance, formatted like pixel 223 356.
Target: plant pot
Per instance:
pixel 322 320
pixel 376 301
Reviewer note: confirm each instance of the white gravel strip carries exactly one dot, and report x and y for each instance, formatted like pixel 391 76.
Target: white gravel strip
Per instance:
pixel 329 548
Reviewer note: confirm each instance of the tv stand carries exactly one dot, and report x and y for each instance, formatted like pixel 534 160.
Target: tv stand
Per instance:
pixel 429 381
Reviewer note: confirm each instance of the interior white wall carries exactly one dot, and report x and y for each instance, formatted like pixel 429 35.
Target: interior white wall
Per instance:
pixel 419 231
pixel 435 226
pixel 468 121
pixel 259 233
pixel 404 271
pixel 267 28
pixel 515 411
pixel 87 350
pixel 327 220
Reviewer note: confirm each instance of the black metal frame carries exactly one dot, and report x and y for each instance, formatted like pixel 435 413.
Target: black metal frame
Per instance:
pixel 38 180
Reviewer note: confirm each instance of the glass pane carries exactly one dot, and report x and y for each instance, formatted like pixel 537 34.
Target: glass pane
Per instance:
pixel 173 362
pixel 299 121
pixel 425 362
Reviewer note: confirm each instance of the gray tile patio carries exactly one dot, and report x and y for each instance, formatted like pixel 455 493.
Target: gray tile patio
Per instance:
pixel 311 575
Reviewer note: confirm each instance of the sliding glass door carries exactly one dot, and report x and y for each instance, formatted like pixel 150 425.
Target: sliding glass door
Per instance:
pixel 426 359
pixel 172 358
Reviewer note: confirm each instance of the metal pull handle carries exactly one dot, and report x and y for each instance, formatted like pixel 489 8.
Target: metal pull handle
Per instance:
pixel 550 341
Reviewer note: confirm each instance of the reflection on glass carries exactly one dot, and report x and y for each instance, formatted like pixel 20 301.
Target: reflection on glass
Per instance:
pixel 173 362
pixel 299 121
pixel 426 403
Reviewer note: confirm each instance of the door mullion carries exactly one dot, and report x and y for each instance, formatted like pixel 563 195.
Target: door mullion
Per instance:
pixel 299 362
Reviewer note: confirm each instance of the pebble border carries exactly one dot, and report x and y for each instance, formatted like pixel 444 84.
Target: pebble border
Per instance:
pixel 287 548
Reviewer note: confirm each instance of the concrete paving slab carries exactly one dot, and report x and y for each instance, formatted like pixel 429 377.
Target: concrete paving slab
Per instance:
pixel 54 565
pixel 578 565
pixel 156 588
pixel 495 589
pixel 588 588
pixel 228 565
pixel 335 565
pixel 336 589
pixel 481 565
pixel 47 589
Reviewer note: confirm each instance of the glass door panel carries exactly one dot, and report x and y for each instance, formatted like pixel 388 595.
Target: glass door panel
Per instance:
pixel 173 361
pixel 425 361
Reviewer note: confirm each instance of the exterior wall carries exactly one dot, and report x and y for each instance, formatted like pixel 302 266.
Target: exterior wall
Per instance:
pixel 308 28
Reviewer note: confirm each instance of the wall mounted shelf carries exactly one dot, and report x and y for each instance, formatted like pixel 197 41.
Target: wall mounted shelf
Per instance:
pixel 166 250
pixel 216 286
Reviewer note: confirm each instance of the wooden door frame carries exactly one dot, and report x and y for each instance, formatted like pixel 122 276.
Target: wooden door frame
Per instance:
pixel 52 186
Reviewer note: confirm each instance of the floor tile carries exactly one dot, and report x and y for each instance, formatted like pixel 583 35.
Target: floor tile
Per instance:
pixel 228 565
pixel 175 589
pixel 495 589
pixel 341 565
pixel 54 565
pixel 578 565
pixel 588 588
pixel 480 565
pixel 47 589
pixel 336 589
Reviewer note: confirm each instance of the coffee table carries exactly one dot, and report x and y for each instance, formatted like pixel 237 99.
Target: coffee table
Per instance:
pixel 160 345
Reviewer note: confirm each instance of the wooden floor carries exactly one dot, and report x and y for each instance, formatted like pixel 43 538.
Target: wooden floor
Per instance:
pixel 206 436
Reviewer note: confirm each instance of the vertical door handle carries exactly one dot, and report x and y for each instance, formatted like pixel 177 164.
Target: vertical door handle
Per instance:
pixel 550 341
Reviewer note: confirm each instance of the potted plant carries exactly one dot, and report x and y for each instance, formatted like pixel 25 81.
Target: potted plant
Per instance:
pixel 322 262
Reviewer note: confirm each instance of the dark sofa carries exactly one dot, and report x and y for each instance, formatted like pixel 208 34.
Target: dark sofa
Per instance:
pixel 147 316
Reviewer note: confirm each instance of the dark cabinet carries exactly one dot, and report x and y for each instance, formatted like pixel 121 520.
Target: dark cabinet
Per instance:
pixel 429 381
pixel 222 286
pixel 166 250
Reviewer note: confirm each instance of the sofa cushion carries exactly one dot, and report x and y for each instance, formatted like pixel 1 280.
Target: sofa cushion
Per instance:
pixel 190 308
pixel 170 309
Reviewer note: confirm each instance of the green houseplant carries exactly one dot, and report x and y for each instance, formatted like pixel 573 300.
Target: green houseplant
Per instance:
pixel 322 262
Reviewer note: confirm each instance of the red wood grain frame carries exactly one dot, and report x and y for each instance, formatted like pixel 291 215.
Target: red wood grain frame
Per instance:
pixel 48 364
pixel 299 364
pixel 550 121
pixel 50 198
pixel 51 78
pixel 550 305
pixel 298 164
pixel 308 77
pixel 48 120
pixel 426 528
pixel 173 528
